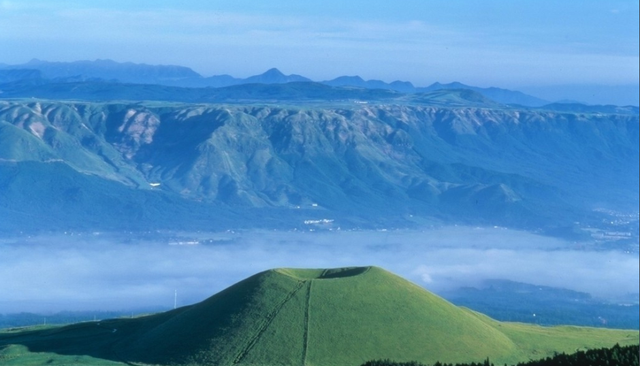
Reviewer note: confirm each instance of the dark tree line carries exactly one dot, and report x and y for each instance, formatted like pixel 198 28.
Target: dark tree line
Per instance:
pixel 414 363
pixel 614 356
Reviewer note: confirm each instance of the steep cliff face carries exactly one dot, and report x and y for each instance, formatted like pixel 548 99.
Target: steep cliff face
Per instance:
pixel 467 164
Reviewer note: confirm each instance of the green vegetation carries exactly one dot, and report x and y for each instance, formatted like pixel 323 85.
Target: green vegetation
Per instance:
pixel 306 317
pixel 361 164
pixel 18 355
pixel 299 93
pixel 613 356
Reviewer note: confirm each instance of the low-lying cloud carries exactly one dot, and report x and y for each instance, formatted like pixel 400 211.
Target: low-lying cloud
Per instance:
pixel 98 272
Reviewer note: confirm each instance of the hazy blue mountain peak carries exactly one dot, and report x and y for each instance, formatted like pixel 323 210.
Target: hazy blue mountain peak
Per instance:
pixel 273 72
pixel 274 76
pixel 175 75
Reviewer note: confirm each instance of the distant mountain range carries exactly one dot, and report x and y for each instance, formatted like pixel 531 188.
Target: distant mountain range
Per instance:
pixel 301 93
pixel 517 302
pixel 452 157
pixel 17 75
pixel 80 148
pixel 111 71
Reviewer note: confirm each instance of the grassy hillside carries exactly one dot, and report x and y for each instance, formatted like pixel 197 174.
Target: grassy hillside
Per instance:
pixel 305 317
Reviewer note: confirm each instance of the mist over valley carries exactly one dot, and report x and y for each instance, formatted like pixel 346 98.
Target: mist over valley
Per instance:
pixel 134 273
pixel 421 183
pixel 450 189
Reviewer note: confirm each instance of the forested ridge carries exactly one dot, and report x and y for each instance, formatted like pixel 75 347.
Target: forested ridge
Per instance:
pixel 614 356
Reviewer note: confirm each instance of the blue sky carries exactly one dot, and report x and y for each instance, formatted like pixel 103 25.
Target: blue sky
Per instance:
pixel 508 43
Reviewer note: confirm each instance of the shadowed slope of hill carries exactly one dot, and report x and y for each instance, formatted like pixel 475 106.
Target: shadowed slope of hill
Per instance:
pixel 24 75
pixel 43 196
pixel 324 317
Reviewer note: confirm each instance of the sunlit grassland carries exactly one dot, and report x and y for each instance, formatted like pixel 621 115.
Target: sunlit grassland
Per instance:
pixel 304 317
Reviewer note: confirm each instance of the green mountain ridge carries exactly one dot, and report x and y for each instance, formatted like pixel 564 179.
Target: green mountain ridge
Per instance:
pixel 294 93
pixel 376 164
pixel 298 92
pixel 343 316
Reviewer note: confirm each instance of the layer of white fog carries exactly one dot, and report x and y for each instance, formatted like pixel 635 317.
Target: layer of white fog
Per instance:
pixel 102 272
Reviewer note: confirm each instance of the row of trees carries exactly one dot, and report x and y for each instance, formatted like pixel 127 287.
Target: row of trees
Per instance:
pixel 614 356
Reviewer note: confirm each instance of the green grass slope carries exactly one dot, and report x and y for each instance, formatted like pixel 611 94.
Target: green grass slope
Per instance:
pixel 305 317
pixel 17 355
pixel 346 315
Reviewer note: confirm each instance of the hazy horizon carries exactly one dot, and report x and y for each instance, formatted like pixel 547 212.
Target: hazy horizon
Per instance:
pixel 621 95
pixel 523 45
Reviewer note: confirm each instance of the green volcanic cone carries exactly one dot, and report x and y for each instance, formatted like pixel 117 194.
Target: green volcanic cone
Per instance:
pixel 342 316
